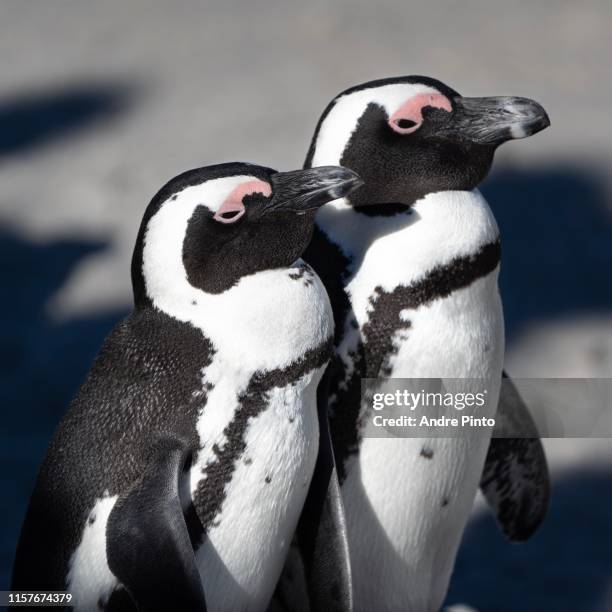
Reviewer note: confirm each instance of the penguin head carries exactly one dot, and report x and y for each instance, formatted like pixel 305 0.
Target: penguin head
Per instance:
pixel 410 136
pixel 209 227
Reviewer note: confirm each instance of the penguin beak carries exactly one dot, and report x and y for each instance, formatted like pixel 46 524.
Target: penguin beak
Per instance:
pixel 492 121
pixel 303 190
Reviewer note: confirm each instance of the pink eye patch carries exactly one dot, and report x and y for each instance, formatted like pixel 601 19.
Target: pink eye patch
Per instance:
pixel 409 116
pixel 233 208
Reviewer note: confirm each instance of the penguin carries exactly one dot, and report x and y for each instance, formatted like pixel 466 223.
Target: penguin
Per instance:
pixel 176 478
pixel 410 261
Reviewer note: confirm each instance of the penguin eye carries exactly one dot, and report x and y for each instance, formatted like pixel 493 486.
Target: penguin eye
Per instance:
pixel 405 123
pixel 231 210
pixel 409 117
pixel 231 215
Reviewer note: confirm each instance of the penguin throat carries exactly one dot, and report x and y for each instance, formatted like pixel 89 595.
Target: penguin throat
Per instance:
pixel 383 210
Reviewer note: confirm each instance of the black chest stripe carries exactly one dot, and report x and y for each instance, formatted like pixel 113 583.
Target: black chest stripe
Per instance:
pixel 371 357
pixel 384 320
pixel 211 491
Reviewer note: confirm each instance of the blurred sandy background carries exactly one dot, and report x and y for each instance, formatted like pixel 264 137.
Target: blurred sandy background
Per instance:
pixel 102 102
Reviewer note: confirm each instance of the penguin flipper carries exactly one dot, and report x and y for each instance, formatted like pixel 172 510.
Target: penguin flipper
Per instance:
pixel 148 545
pixel 515 480
pixel 321 533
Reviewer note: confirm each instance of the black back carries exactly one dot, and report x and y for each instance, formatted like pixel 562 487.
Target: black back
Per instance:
pixel 140 386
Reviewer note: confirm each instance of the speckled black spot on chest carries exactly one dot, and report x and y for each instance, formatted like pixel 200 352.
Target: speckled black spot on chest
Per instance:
pixel 299 273
pixel 304 274
pixel 427 452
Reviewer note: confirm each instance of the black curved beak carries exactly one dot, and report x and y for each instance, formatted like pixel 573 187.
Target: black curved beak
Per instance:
pixel 492 121
pixel 303 190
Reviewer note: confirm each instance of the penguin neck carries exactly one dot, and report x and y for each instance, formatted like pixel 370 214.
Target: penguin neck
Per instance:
pixel 433 231
pixel 260 323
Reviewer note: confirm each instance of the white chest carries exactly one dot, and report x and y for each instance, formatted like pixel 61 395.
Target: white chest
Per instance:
pixel 407 500
pixel 400 249
pixel 460 336
pixel 269 442
pixel 243 554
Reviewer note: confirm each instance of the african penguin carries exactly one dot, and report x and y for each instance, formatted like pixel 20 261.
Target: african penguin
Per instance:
pixel 176 478
pixel 410 261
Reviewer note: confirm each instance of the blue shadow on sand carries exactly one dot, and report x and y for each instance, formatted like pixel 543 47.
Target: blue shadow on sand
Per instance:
pixel 35 119
pixel 43 363
pixel 556 229
pixel 565 567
